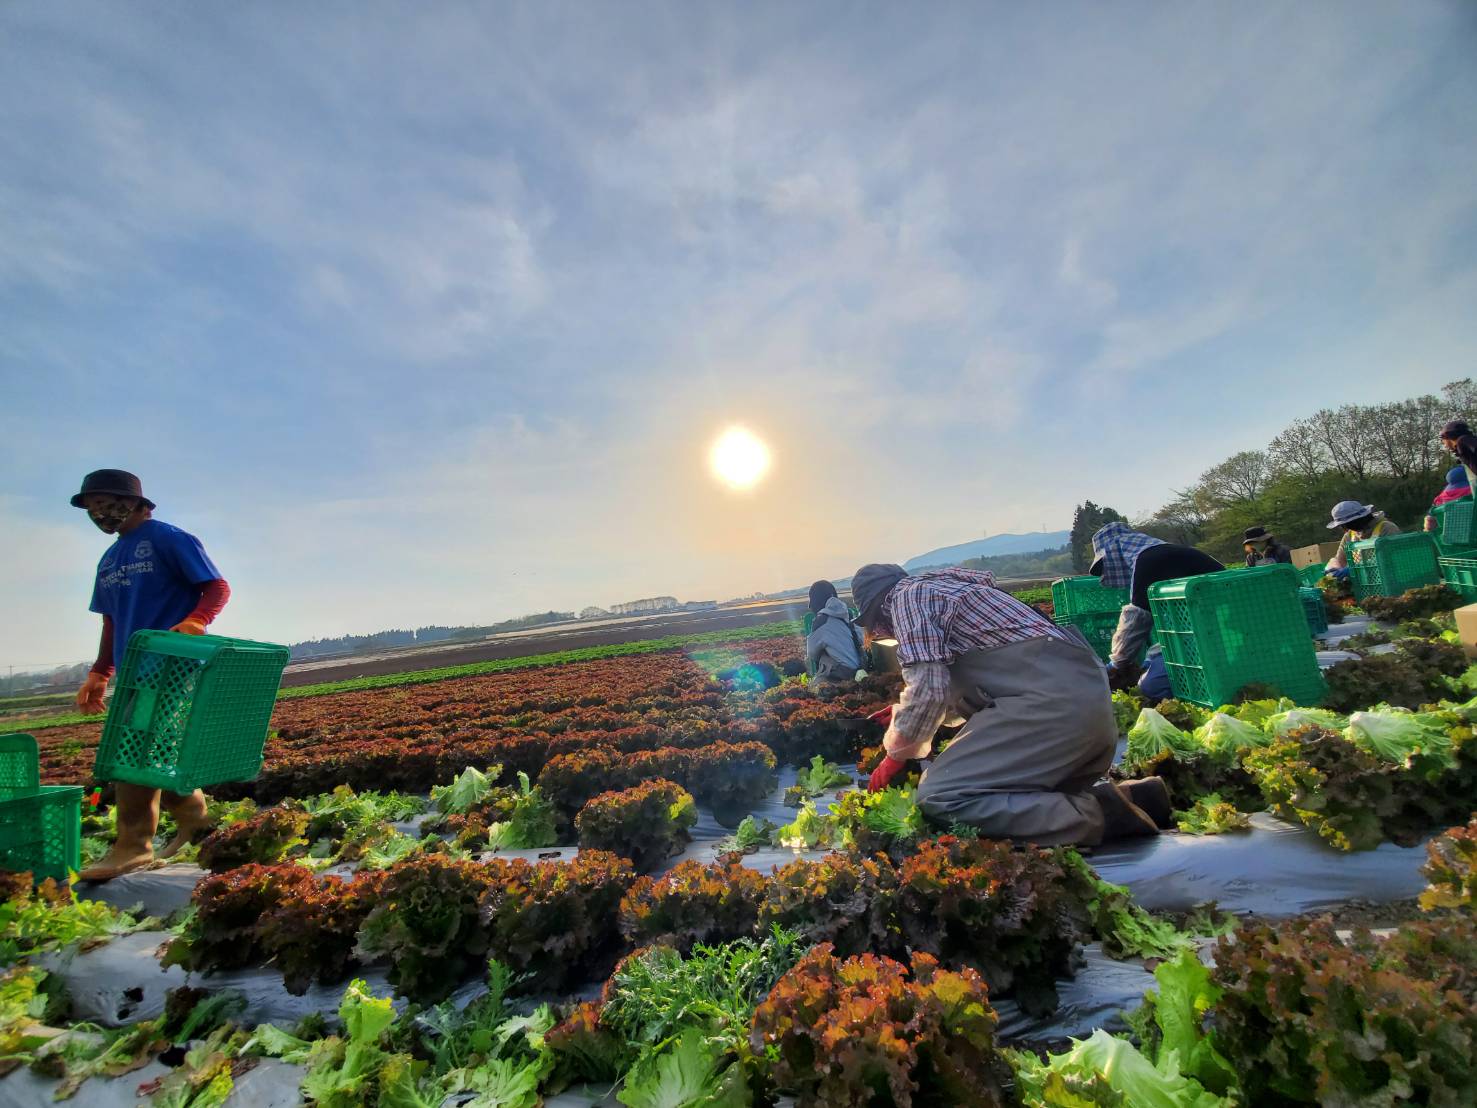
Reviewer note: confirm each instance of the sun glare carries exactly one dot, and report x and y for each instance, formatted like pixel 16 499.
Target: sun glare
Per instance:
pixel 739 459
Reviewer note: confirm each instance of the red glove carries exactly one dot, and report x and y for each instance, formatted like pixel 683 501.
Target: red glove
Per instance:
pixel 882 716
pixel 885 774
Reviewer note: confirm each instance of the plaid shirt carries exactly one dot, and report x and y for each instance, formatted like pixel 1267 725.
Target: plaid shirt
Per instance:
pixel 938 617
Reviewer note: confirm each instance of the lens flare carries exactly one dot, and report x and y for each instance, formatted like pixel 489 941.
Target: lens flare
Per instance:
pixel 739 459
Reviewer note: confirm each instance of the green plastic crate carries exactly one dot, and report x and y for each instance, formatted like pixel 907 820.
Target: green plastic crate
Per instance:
pixel 40 825
pixel 1314 609
pixel 189 711
pixel 1223 631
pixel 1460 574
pixel 1311 575
pixel 1097 628
pixel 1075 596
pixel 1458 523
pixel 1392 564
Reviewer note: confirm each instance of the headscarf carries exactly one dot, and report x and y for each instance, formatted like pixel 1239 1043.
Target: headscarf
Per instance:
pixel 820 592
pixel 870 586
pixel 1116 548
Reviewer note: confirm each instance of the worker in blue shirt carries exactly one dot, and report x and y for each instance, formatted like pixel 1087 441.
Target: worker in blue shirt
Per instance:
pixel 154 577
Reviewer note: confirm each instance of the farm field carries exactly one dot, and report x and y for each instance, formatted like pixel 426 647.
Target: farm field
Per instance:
pixel 655 878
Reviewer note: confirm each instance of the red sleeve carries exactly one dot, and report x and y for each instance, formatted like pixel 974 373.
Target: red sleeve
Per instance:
pixel 104 663
pixel 213 597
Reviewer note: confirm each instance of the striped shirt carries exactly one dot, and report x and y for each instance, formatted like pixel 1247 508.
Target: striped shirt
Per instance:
pixel 936 618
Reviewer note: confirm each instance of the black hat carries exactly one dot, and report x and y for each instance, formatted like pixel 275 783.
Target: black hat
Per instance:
pixel 1255 534
pixel 1455 429
pixel 113 482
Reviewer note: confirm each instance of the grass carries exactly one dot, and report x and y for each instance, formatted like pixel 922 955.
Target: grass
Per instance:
pixel 475 669
pixel 1038 595
pixel 45 700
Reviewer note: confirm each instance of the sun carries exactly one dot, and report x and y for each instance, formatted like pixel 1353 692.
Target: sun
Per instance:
pixel 739 458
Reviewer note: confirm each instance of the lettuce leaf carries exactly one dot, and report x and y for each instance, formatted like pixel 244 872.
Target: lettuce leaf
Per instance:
pixel 1152 735
pixel 1284 723
pixel 1225 734
pixel 1212 816
pixel 1400 737
pixel 467 790
pixel 690 1075
pixel 1142 1083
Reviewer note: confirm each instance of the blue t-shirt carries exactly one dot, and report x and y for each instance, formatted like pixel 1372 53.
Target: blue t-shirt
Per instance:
pixel 149 580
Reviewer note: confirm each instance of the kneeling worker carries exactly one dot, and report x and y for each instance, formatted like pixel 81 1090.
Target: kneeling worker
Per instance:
pixel 1039 733
pixel 1129 559
pixel 833 649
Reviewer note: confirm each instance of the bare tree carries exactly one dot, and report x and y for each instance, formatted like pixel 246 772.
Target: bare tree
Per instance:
pixel 1299 451
pixel 1459 400
pixel 1347 435
pixel 1240 477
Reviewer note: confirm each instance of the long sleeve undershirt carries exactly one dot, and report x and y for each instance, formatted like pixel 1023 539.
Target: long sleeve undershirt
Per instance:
pixel 213 597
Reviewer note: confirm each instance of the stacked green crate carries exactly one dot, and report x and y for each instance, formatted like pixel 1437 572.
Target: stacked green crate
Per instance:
pixel 1223 631
pixel 1083 603
pixel 1314 609
pixel 189 711
pixel 1460 574
pixel 1393 564
pixel 40 825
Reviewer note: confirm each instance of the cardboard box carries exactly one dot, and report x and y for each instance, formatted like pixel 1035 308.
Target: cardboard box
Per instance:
pixel 1305 556
pixel 1466 628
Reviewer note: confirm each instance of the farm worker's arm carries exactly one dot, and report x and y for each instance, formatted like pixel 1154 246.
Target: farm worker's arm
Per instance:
pixel 1340 559
pixel 95 684
pixel 1135 625
pixel 213 597
pixel 919 712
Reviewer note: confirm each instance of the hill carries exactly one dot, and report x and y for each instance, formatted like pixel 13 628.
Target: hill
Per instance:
pixel 988 548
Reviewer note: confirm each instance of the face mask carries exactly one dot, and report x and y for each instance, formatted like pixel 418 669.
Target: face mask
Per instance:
pixel 110 515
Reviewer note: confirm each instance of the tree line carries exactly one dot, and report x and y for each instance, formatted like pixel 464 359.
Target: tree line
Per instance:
pixel 1388 455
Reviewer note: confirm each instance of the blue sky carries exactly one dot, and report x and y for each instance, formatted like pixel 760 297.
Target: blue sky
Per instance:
pixel 426 313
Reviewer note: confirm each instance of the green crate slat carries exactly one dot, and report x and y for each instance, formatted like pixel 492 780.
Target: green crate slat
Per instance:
pixel 1075 596
pixel 1460 574
pixel 189 711
pixel 1314 609
pixel 1222 631
pixel 1458 523
pixel 1392 564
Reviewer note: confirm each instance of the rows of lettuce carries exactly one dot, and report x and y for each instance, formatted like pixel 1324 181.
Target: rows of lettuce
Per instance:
pixel 807 1001
pixel 412 738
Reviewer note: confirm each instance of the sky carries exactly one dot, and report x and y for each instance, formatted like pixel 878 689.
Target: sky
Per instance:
pixel 429 313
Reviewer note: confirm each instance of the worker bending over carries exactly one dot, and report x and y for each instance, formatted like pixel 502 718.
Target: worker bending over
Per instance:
pixel 1039 733
pixel 1129 559
pixel 1359 522
pixel 154 577
pixel 833 648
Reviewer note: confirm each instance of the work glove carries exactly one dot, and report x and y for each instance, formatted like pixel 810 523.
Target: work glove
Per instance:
pixel 885 774
pixel 882 716
pixel 189 627
pixel 1339 574
pixel 90 695
pixel 1124 676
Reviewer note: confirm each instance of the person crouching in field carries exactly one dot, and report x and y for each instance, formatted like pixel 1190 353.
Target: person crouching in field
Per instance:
pixel 155 577
pixel 1039 734
pixel 834 654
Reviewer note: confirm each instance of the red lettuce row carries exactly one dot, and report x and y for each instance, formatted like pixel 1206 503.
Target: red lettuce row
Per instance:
pixel 646 823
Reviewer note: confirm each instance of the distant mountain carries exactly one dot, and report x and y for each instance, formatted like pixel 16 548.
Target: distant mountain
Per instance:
pixel 983 548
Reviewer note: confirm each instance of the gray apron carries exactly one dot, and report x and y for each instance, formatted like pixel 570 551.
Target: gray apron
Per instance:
pixel 1040 733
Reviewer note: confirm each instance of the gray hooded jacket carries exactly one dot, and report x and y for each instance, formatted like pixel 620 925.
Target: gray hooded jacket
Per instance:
pixel 833 649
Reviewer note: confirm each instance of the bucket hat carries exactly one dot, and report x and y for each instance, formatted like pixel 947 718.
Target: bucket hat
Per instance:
pixel 112 482
pixel 1346 512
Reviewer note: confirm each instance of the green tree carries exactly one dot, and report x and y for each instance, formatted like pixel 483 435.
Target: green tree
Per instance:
pixel 1085 521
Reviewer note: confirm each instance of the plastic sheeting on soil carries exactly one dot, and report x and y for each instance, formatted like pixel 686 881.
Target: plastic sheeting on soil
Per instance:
pixel 268 1084
pixel 122 982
